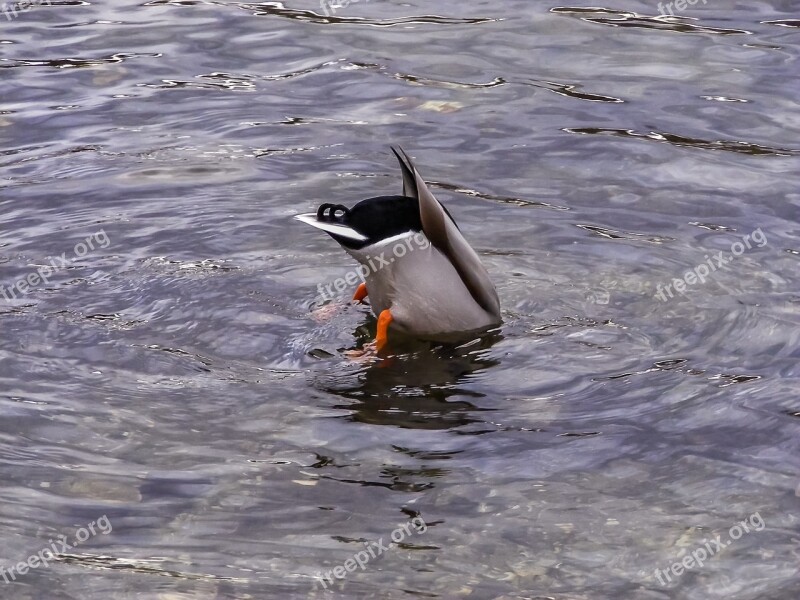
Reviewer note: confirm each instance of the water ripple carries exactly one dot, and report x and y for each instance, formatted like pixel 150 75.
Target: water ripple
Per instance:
pixel 783 22
pixel 678 365
pixel 563 89
pixel 571 91
pixel 141 566
pixel 219 81
pixel 621 18
pixel 76 63
pixel 448 85
pixel 502 199
pixel 279 9
pixel 615 234
pixel 679 140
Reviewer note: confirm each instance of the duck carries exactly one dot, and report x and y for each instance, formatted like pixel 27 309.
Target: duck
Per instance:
pixel 421 276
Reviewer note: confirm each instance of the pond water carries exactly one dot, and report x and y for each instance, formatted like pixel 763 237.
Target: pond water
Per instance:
pixel 176 408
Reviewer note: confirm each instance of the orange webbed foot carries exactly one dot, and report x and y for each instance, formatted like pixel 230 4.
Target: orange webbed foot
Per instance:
pixel 382 338
pixel 361 293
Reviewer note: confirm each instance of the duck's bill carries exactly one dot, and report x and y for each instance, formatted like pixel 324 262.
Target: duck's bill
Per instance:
pixel 332 228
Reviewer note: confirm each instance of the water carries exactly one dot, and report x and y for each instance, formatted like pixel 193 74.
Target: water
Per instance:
pixel 175 379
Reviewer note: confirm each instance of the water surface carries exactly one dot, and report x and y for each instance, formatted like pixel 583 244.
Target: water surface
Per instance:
pixel 178 380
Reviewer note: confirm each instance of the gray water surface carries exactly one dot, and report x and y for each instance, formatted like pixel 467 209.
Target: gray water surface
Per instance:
pixel 174 376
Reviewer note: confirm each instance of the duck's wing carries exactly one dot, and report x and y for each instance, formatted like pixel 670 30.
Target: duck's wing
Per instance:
pixel 442 231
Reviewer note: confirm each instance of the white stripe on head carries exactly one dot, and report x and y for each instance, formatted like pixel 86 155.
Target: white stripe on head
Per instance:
pixel 334 228
pixel 396 238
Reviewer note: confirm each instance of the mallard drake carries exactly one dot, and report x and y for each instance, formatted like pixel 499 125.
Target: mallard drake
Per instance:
pixel 421 275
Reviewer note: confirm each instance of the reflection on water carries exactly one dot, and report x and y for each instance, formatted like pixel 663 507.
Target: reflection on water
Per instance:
pixel 180 382
pixel 425 389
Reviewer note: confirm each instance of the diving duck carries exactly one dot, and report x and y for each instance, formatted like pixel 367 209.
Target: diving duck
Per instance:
pixel 421 276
